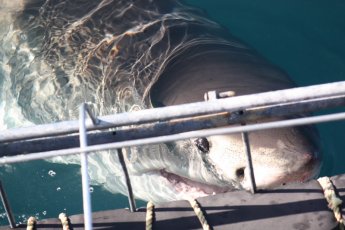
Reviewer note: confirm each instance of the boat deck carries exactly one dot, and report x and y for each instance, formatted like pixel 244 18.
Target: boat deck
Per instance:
pixel 296 206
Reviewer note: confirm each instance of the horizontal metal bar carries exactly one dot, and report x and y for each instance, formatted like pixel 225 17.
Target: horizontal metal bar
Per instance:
pixel 170 127
pixel 133 133
pixel 295 108
pixel 175 137
pixel 180 111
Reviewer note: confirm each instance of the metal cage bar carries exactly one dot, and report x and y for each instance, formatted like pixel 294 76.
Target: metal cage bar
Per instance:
pixel 294 95
pixel 131 201
pixel 175 137
pixel 84 169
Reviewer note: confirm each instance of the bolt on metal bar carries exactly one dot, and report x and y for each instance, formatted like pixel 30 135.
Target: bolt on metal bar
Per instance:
pixel 7 207
pixel 84 169
pixel 250 168
pixel 179 111
pixel 132 206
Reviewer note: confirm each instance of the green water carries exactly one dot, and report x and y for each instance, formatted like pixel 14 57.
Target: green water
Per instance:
pixel 305 38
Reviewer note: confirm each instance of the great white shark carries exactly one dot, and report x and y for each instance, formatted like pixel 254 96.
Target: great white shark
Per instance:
pixel 120 56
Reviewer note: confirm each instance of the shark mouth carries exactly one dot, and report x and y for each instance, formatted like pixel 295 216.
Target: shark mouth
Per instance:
pixel 191 189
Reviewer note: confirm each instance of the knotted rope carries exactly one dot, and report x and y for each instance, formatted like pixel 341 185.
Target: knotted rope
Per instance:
pixel 149 215
pixel 334 202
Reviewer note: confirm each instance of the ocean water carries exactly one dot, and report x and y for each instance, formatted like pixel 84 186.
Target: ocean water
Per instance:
pixel 305 38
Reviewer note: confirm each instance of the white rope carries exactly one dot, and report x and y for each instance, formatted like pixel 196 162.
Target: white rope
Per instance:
pixel 199 214
pixel 149 215
pixel 64 221
pixel 334 202
pixel 31 224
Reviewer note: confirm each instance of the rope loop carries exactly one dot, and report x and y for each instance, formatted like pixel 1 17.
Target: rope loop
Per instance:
pixel 199 213
pixel 333 201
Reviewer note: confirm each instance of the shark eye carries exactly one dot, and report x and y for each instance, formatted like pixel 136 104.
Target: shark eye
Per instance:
pixel 202 144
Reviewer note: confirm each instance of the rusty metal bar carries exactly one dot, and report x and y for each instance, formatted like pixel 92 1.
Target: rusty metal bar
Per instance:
pixel 231 104
pixel 169 127
pixel 180 136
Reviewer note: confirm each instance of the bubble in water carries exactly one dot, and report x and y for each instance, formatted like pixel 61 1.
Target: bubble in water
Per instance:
pixel 58 189
pixel 22 218
pixel 44 213
pixel 9 168
pixel 51 173
pixel 91 189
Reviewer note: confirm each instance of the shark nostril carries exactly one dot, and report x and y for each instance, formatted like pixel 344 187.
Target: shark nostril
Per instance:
pixel 240 174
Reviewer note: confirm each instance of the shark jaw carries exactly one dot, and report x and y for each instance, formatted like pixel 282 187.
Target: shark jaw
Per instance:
pixel 188 188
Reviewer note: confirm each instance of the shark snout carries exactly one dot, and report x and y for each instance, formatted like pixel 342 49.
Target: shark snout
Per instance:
pixel 305 167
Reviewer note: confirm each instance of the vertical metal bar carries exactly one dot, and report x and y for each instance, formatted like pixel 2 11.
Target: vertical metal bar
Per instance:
pixel 96 121
pixel 213 95
pixel 249 162
pixel 132 206
pixel 7 207
pixel 84 169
